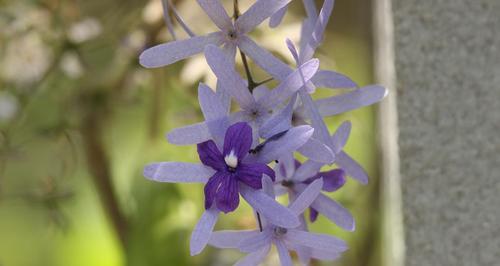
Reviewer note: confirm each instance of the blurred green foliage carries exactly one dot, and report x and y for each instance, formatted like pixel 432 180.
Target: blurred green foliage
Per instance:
pixel 77 111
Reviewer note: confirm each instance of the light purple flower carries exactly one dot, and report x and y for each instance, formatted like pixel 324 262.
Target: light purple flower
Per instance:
pixel 230 35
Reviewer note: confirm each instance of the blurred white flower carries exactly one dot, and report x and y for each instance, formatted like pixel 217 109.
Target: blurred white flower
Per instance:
pixel 84 30
pixel 26 59
pixel 152 12
pixel 71 65
pixel 8 106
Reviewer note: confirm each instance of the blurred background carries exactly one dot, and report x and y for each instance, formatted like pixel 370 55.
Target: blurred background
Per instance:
pixel 79 118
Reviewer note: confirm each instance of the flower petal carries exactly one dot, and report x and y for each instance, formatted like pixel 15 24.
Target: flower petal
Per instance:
pixel 320 129
pixel 257 13
pixel 264 59
pixel 332 79
pixel 202 231
pixel 306 170
pixel 177 172
pixel 212 186
pixel 217 13
pixel 291 84
pixel 227 196
pixel 268 186
pixel 284 255
pixel 210 155
pixel 352 100
pixel 351 167
pixel 192 134
pixel 319 28
pixel 293 50
pixel 334 211
pixel 251 174
pixel 230 238
pixel 254 258
pixel 333 179
pixel 317 151
pixel 277 17
pixel 279 121
pixel 311 10
pixel 306 197
pixel 226 73
pixel 210 103
pixel 327 255
pixel 238 139
pixel 254 243
pixel 274 212
pixel 171 52
pixel 313 215
pixel 339 138
pixel 316 241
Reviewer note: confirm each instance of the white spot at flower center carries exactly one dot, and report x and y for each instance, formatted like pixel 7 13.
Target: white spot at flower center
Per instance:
pixel 231 159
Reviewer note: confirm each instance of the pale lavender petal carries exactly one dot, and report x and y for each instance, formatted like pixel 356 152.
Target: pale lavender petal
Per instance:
pixel 257 13
pixel 224 96
pixel 274 212
pixel 317 151
pixel 192 134
pixel 210 103
pixel 224 70
pixel 264 59
pixel 316 241
pixel 293 139
pixel 284 255
pixel 202 231
pixel 304 255
pixel 289 165
pixel 168 20
pixel 327 254
pixel 178 172
pixel 332 79
pixel 306 197
pixel 351 167
pixel 307 170
pixel 229 50
pixel 280 121
pixel 230 238
pixel 268 186
pixel 171 52
pixel 217 13
pixel 318 32
pixel 260 92
pixel 277 17
pixel 340 137
pixel 291 84
pixel 293 50
pixel 254 258
pixel 238 140
pixel 352 100
pixel 311 10
pixel 306 31
pixel 334 211
pixel 254 243
pixel 320 129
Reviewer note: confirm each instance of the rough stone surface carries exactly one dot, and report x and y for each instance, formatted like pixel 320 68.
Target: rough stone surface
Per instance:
pixel 448 71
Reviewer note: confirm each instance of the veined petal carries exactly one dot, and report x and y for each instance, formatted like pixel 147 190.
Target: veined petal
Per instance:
pixel 251 174
pixel 352 100
pixel 238 140
pixel 316 241
pixel 217 13
pixel 254 243
pixel 257 13
pixel 332 79
pixel 192 134
pixel 319 28
pixel 210 103
pixel 317 151
pixel 264 59
pixel 171 52
pixel 306 197
pixel 224 70
pixel 351 167
pixel 210 155
pixel 254 258
pixel 212 186
pixel 274 212
pixel 277 17
pixel 202 231
pixel 283 253
pixel 334 211
pixel 230 238
pixel 293 139
pixel 227 196
pixel 292 83
pixel 177 172
pixel 340 137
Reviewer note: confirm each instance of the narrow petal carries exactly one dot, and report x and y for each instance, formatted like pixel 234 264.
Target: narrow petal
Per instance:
pixel 313 215
pixel 251 174
pixel 306 197
pixel 254 243
pixel 171 52
pixel 320 129
pixel 306 31
pixel 319 28
pixel 340 137
pixel 317 151
pixel 212 186
pixel 202 231
pixel 274 212
pixel 293 82
pixel 280 121
pixel 210 155
pixel 268 186
pixel 238 139
pixel 334 211
pixel 260 91
pixel 288 165
pixel 306 170
pixel 229 238
pixel 293 139
pixel 210 103
pixel 316 241
pixel 177 172
pixel 293 50
pixel 257 13
pixel 224 70
pixel 227 196
pixel 277 17
pixel 192 134
pixel 351 167
pixel 284 255
pixel 167 19
pixel 332 79
pixel 264 59
pixel 217 13
pixel 254 258
pixel 333 179
pixel 326 255
pixel 352 100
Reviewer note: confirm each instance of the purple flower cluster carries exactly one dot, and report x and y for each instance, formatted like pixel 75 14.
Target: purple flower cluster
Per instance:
pixel 250 152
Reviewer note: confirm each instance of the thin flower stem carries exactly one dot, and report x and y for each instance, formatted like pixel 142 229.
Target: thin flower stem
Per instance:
pixel 251 83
